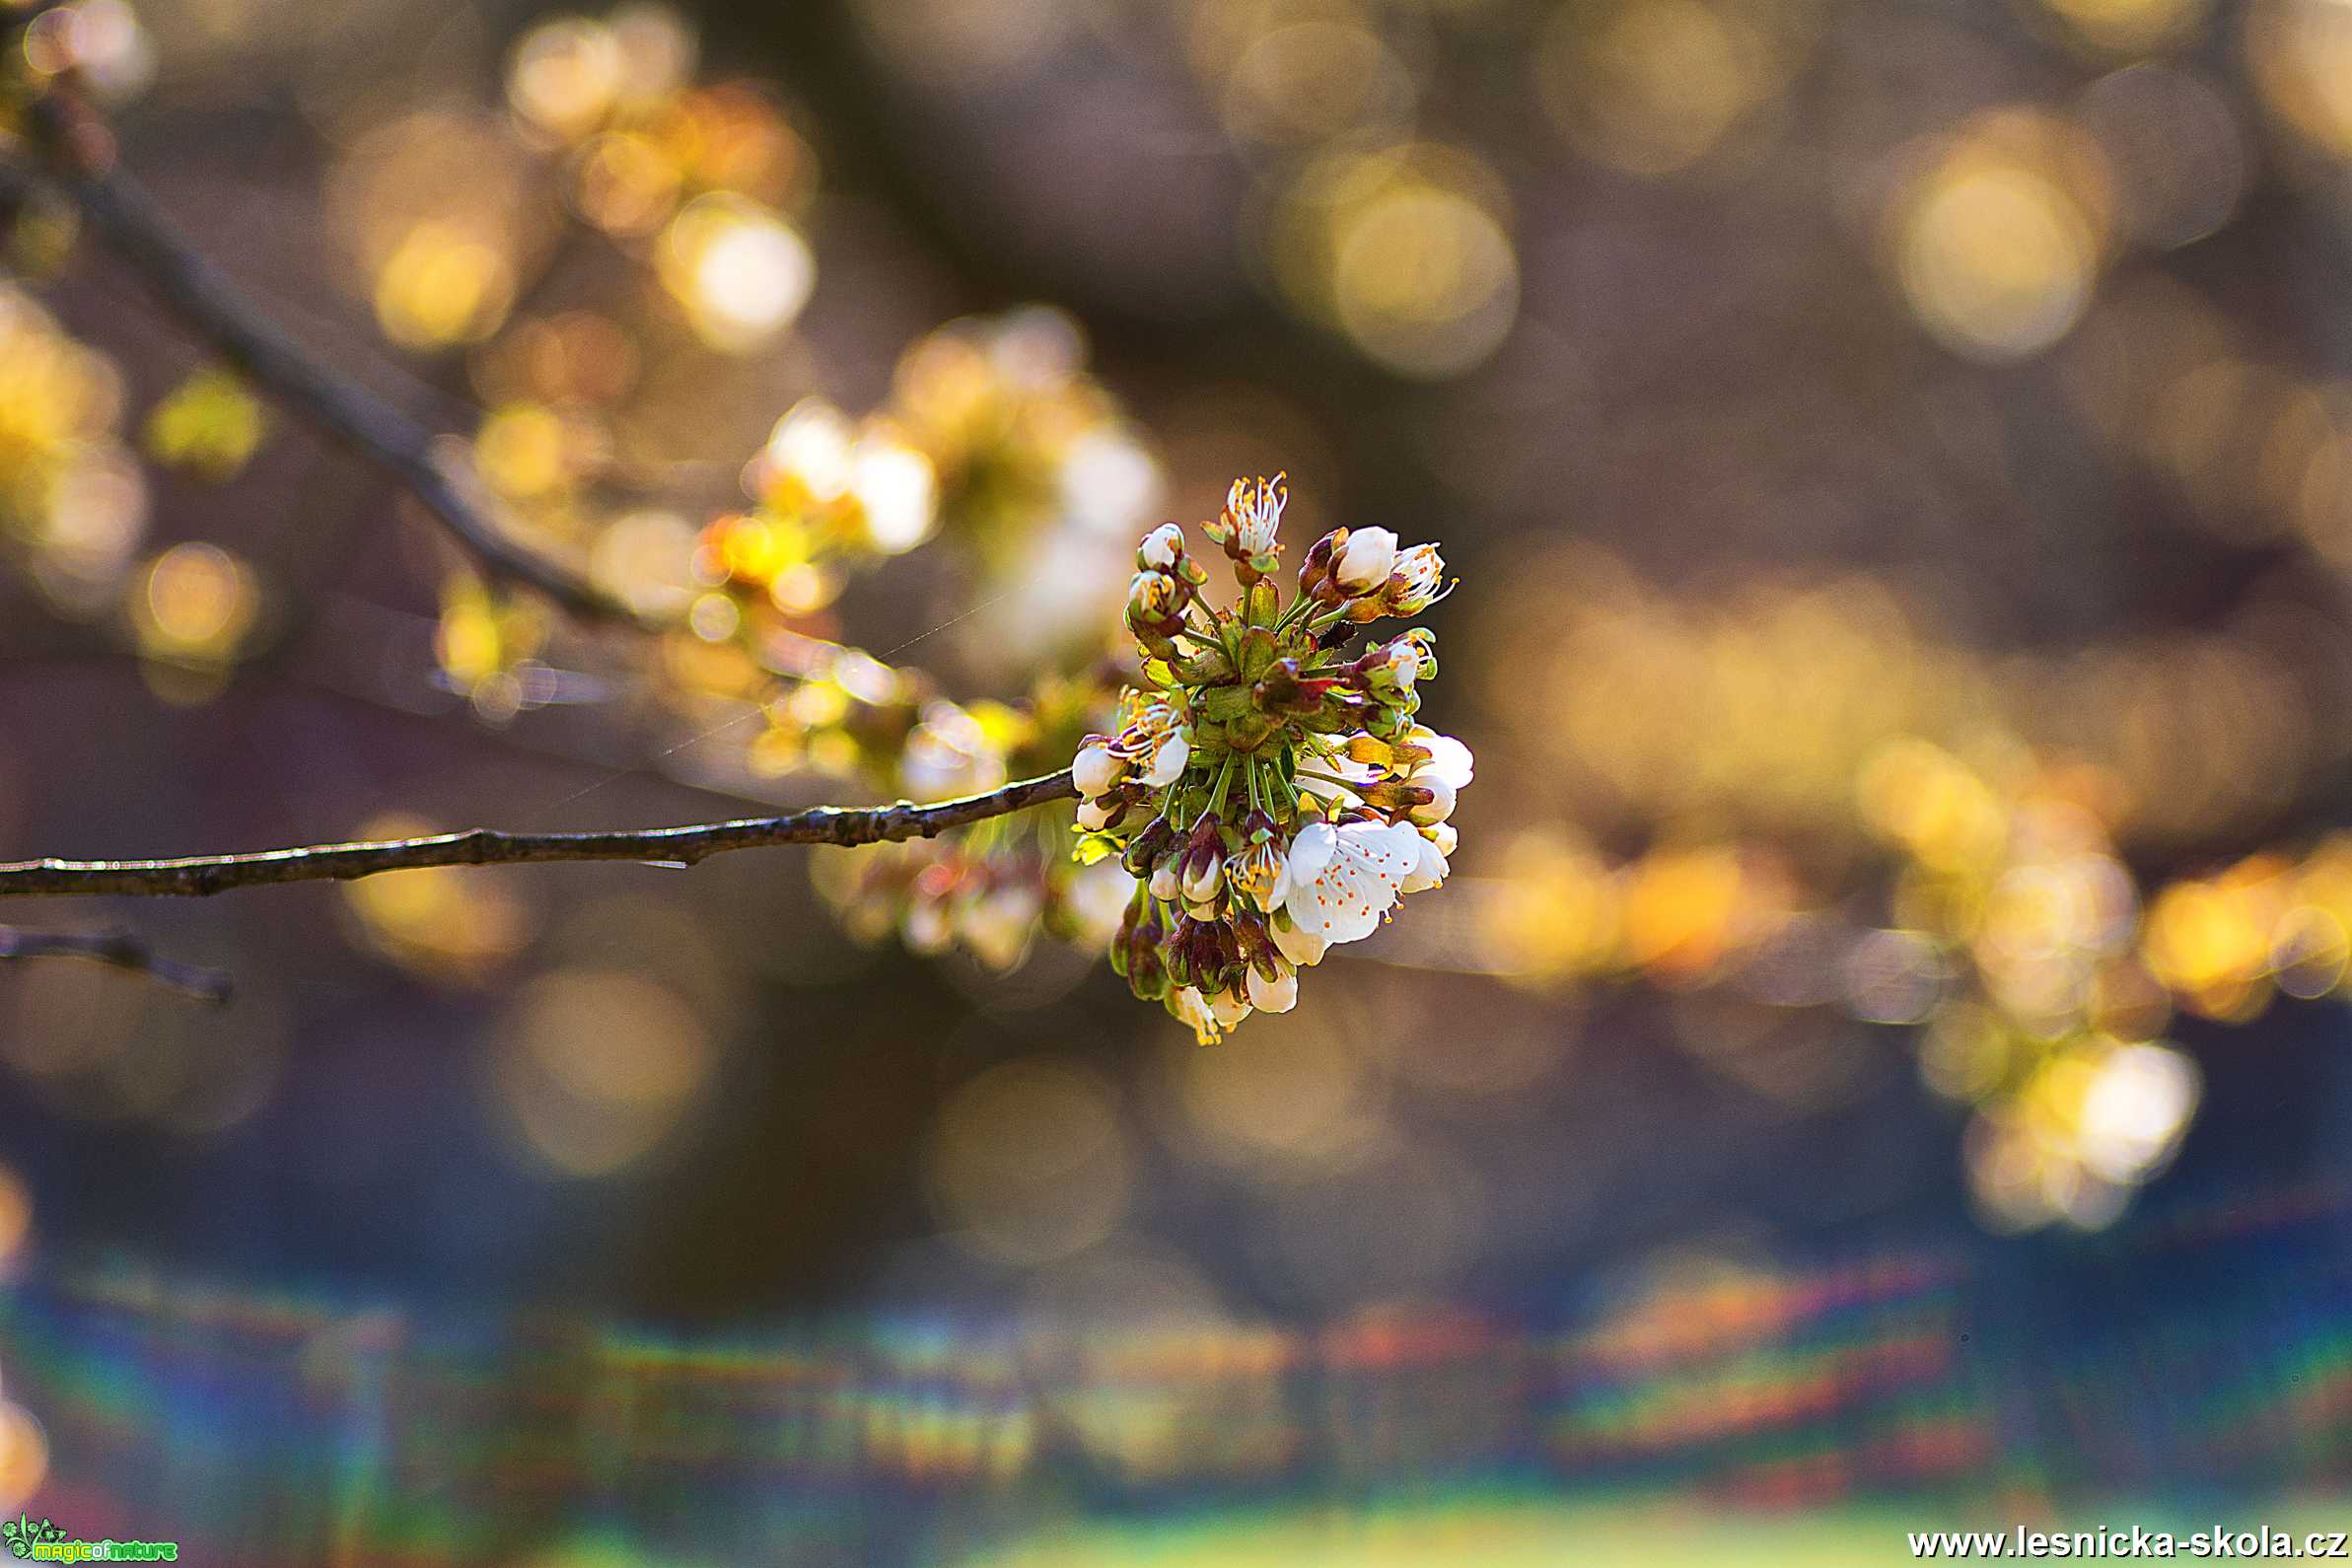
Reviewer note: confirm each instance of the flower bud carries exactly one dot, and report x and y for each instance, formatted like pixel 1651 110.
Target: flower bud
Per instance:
pixel 1162 548
pixel 1275 992
pixel 1284 691
pixel 1201 872
pixel 1365 559
pixel 1315 571
pixel 1095 769
pixel 1303 949
pixel 1391 669
pixel 1202 880
pixel 1156 609
pixel 1439 806
pixel 1147 847
pixel 1189 1008
pixel 1136 951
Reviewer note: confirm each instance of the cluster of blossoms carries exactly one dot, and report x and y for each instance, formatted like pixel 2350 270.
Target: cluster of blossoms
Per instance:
pixel 1268 786
pixel 988 890
pixel 990 896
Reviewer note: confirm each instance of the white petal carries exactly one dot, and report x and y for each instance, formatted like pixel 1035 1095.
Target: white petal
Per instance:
pixel 1365 560
pixel 1449 760
pixel 1095 770
pixel 1161 545
pixel 1438 809
pixel 1168 763
pixel 1429 870
pixel 1273 996
pixel 1300 947
pixel 1310 851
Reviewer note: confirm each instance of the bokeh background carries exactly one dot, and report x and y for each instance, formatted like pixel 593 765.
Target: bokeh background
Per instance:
pixel 1877 1064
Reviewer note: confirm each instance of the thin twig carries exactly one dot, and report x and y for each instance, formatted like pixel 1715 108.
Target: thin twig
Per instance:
pixel 79 155
pixel 118 948
pixel 201 875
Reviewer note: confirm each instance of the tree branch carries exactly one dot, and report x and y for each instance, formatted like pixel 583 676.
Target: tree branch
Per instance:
pixel 80 153
pixel 201 875
pixel 118 948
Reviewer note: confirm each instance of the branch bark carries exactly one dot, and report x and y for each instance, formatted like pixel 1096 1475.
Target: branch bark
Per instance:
pixel 79 150
pixel 118 948
pixel 201 875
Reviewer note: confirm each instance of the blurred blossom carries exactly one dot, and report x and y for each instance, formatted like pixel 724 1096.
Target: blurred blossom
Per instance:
pixel 1998 240
pixel 488 642
pixel 989 891
pixel 72 500
pixel 2085 1126
pixel 646 559
pixel 861 482
pixel 434 207
pixel 100 41
pixel 450 924
pixel 739 271
pixel 1020 436
pixel 1772 704
pixel 1893 977
pixel 1558 914
pixel 441 285
pixel 210 424
pixel 565 75
pixel 1687 909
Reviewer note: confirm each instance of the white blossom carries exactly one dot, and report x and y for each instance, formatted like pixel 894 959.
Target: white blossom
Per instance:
pixel 1422 571
pixel 1168 761
pixel 1342 879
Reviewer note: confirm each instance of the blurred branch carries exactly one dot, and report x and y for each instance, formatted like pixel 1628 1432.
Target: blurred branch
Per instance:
pixel 201 875
pixel 119 950
pixel 79 155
